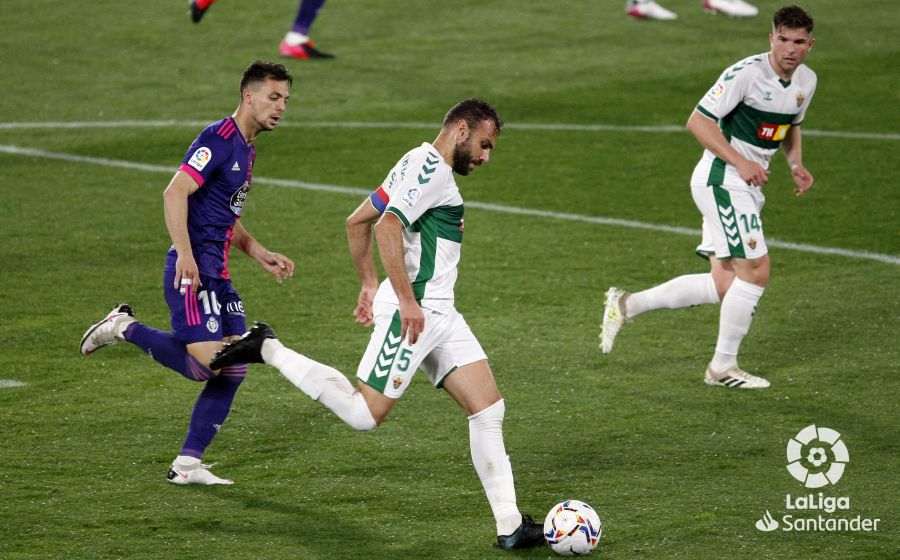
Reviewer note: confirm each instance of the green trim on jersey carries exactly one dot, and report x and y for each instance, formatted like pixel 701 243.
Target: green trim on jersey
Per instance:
pixel 717 169
pixel 442 222
pixel 707 113
pixel 427 228
pixel 378 377
pixel 729 222
pixel 396 211
pixel 448 222
pixel 746 122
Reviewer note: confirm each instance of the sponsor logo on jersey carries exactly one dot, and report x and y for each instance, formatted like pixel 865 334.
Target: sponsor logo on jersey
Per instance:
pixel 235 167
pixel 239 197
pixel 411 196
pixel 767 96
pixel 200 158
pixel 800 98
pixel 773 132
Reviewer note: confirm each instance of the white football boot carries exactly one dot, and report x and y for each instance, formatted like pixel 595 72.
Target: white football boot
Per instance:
pixel 189 470
pixel 614 318
pixel 733 8
pixel 109 330
pixel 735 378
pixel 648 9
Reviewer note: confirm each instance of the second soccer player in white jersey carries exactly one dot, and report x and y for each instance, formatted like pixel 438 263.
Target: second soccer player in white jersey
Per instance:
pixel 417 214
pixel 755 108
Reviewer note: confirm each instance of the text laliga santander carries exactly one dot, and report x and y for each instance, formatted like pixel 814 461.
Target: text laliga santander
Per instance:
pixel 828 504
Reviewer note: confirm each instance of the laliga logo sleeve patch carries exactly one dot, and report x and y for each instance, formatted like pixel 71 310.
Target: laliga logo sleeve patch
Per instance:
pixel 716 92
pixel 411 196
pixel 200 158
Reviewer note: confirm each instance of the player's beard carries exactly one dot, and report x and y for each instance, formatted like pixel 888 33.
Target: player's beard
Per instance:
pixel 462 157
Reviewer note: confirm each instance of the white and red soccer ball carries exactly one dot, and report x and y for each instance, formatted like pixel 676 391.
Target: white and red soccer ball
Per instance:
pixel 572 528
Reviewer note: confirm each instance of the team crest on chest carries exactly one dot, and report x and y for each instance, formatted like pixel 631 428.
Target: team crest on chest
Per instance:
pixel 800 98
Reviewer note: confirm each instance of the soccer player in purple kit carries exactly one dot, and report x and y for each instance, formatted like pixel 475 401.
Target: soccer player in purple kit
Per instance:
pixel 296 43
pixel 203 205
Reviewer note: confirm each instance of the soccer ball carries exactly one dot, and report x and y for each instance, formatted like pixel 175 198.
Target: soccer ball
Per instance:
pixel 572 528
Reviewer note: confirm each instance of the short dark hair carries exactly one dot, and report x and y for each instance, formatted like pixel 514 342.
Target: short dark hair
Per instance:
pixel 261 70
pixel 474 112
pixel 792 17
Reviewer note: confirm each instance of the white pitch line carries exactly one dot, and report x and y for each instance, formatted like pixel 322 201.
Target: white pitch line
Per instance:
pixel 30 152
pixel 7 383
pixel 418 125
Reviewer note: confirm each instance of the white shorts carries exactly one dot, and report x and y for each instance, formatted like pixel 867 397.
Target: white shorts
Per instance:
pixel 389 363
pixel 731 223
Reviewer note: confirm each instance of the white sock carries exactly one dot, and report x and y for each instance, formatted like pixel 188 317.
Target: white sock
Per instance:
pixel 186 461
pixel 322 383
pixel 294 38
pixel 738 307
pixel 684 291
pixel 493 466
pixel 121 325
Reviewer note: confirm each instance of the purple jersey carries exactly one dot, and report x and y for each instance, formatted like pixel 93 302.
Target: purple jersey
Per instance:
pixel 221 162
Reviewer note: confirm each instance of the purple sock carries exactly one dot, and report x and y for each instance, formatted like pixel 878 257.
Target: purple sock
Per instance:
pixel 305 15
pixel 163 348
pixel 212 408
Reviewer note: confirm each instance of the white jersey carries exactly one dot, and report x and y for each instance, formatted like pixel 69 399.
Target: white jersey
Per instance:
pixel 755 109
pixel 421 190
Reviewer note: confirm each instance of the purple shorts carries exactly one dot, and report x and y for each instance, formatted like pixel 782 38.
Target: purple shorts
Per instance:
pixel 215 312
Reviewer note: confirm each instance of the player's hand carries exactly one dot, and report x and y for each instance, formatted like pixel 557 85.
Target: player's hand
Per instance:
pixel 187 275
pixel 278 265
pixel 802 178
pixel 363 311
pixel 752 172
pixel 412 320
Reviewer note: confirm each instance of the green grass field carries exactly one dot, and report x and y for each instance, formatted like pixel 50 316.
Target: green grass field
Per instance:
pixel 676 469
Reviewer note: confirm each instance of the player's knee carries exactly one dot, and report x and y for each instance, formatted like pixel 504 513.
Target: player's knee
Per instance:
pixel 362 422
pixel 759 271
pixel 491 413
pixel 361 418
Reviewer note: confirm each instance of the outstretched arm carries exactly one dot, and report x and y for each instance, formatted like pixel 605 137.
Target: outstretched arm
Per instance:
pixel 707 132
pixel 793 151
pixel 359 238
pixel 277 264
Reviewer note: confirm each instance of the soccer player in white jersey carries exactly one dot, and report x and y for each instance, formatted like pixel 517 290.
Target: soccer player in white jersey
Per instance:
pixel 755 107
pixel 417 214
pixel 649 9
